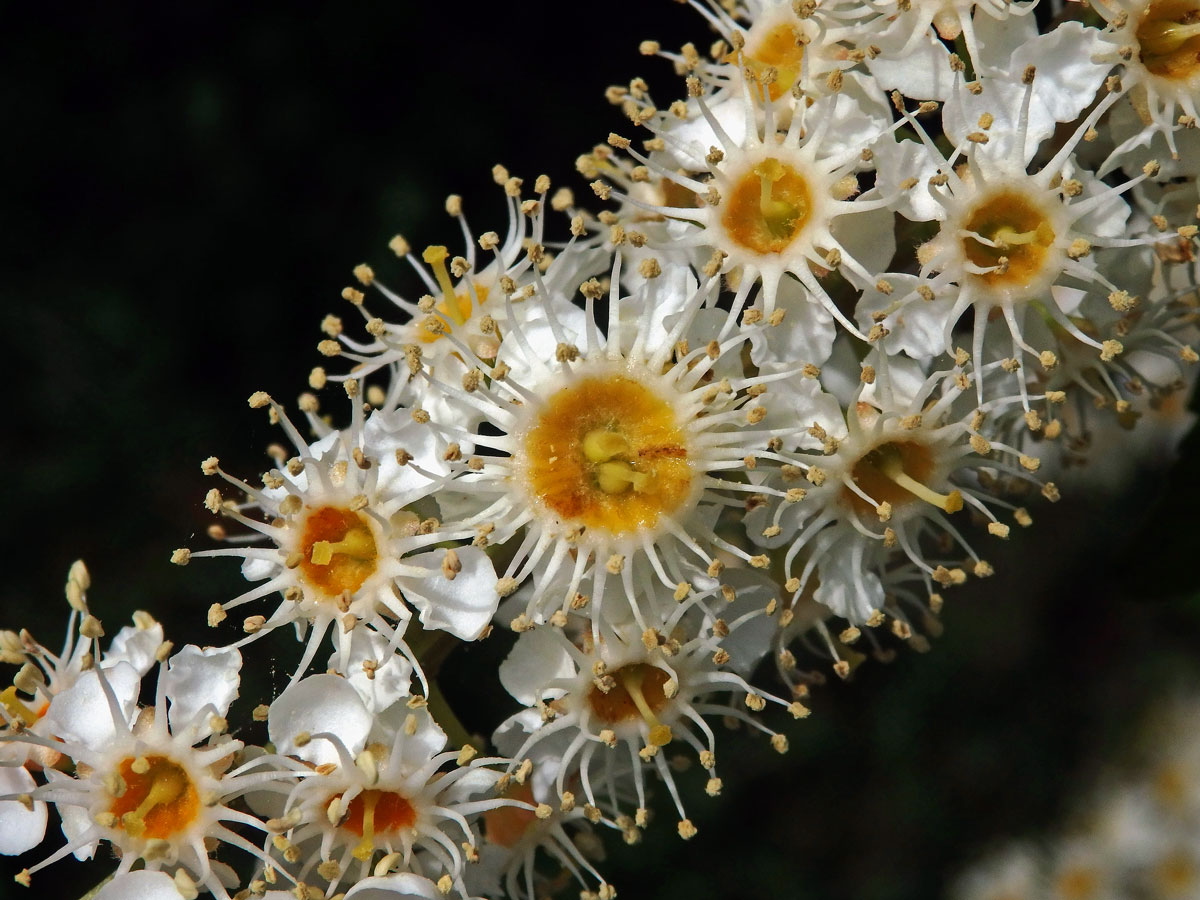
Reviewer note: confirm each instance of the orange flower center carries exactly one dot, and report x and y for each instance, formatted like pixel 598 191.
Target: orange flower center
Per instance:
pixel 159 800
pixel 1020 238
pixel 635 691
pixel 376 812
pixel 1169 38
pixel 607 452
pixel 506 825
pixel 780 48
pixel 339 550
pixel 768 207
pixel 897 473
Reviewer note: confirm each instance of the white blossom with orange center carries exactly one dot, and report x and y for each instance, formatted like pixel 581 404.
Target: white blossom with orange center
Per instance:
pixel 774 206
pixel 604 711
pixel 1011 244
pixel 609 457
pixel 381 787
pixel 1157 45
pixel 785 54
pixel 877 479
pixel 464 303
pixel 155 783
pixel 348 517
pixel 26 704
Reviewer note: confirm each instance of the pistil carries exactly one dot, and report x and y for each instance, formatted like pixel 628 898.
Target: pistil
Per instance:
pixel 891 466
pixel 16 709
pixel 357 544
pixel 631 680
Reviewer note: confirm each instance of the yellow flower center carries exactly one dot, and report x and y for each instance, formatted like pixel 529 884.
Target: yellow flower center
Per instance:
pixel 159 799
pixel 1020 238
pixel 338 549
pixel 896 473
pixel 780 48
pixel 1169 38
pixel 768 207
pixel 636 692
pixel 607 452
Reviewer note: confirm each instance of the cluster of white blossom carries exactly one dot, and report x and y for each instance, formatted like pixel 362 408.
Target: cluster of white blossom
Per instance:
pixel 884 279
pixel 1135 838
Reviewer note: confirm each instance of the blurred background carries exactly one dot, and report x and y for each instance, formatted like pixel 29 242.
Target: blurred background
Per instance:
pixel 184 191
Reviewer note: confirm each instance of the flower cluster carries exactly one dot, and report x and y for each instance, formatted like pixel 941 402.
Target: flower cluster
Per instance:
pixel 1133 838
pixel 885 278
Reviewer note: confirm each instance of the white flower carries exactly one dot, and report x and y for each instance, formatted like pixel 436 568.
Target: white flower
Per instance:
pixel 767 208
pixel 1011 244
pixel 611 454
pixel 606 708
pixel 381 788
pixel 881 474
pixel 45 674
pixel 465 304
pixel 346 538
pixel 155 783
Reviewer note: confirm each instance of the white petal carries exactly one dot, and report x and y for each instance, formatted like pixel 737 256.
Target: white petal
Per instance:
pixel 82 711
pixel 140 886
pixel 537 658
pixel 391 676
pixel 199 684
pixel 463 605
pixel 805 335
pixel 135 646
pixel 21 829
pixel 319 703
pixel 410 751
pixel 405 886
pixel 922 73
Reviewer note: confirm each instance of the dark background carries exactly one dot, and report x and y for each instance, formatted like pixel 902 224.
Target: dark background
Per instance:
pixel 184 192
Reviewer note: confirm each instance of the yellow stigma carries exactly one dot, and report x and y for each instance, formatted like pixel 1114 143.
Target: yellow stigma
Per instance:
pixel 1169 38
pixel 338 550
pixel 767 207
pixel 607 452
pixel 375 812
pixel 456 308
pixel 1020 232
pixel 636 692
pixel 159 799
pixel 15 707
pixel 896 473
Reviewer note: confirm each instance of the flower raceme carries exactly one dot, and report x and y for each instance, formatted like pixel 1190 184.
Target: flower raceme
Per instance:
pixel 855 304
